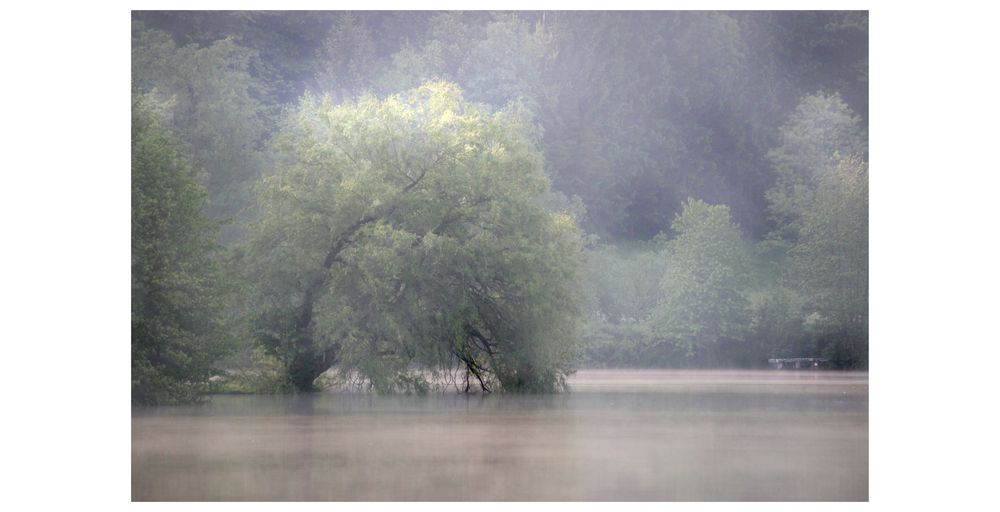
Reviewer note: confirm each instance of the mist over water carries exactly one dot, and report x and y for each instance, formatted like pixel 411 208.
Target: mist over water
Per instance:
pixel 619 435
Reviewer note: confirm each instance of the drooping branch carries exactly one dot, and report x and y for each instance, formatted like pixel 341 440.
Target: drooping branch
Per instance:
pixel 477 341
pixel 475 369
pixel 484 343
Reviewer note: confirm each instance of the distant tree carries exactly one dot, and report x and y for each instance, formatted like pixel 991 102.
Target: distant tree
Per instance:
pixel 496 62
pixel 410 67
pixel 506 66
pixel 347 57
pixel 830 262
pixel 211 100
pixel 626 283
pixel 285 42
pixel 409 232
pixel 437 56
pixel 623 286
pixel 704 298
pixel 819 50
pixel 453 34
pixel 820 132
pixel 177 334
pixel 777 325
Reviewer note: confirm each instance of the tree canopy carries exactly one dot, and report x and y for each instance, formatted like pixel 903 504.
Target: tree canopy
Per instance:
pixel 704 286
pixel 820 132
pixel 407 231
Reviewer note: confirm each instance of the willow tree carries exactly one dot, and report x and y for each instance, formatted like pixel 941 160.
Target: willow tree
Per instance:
pixel 406 234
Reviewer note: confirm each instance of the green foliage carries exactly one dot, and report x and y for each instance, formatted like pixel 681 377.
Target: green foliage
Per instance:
pixel 264 375
pixel 638 110
pixel 497 63
pixel 439 55
pixel 210 98
pixel 346 56
pixel 623 286
pixel 704 286
pixel 820 132
pixel 409 68
pixel 822 50
pixel 405 234
pixel 685 301
pixel 626 282
pixel 777 325
pixel 177 333
pixel 830 262
pixel 820 206
pixel 506 65
pixel 286 42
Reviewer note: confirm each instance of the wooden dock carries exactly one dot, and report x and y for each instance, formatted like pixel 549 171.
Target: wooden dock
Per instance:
pixel 799 363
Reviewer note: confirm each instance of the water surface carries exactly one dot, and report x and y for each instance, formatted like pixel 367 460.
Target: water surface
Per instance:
pixel 619 435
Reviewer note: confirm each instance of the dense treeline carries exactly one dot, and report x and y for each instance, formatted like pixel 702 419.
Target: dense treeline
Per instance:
pixel 654 189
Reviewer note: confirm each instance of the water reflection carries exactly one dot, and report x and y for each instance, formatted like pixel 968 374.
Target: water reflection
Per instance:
pixel 621 435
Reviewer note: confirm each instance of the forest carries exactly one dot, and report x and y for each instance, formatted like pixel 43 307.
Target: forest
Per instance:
pixel 488 201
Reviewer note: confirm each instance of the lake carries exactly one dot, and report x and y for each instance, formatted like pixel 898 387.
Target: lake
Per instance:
pixel 620 435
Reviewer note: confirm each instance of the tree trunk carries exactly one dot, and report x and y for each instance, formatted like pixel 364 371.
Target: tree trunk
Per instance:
pixel 308 364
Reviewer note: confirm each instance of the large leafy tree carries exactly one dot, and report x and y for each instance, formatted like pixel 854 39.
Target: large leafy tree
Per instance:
pixel 506 65
pixel 408 233
pixel 704 299
pixel 177 334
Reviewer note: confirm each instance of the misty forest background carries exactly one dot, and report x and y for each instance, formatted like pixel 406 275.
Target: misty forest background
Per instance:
pixel 490 200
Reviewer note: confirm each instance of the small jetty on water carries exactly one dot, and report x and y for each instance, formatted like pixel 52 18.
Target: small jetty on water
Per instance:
pixel 799 363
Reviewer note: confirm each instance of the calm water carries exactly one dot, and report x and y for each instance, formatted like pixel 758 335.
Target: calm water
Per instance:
pixel 620 435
